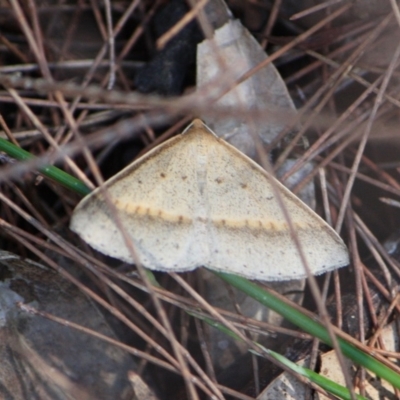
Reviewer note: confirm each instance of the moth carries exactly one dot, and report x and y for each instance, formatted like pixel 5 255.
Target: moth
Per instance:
pixel 196 201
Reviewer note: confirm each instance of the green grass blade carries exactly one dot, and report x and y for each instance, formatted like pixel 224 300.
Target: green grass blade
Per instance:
pixel 51 172
pixel 311 326
pixel 325 383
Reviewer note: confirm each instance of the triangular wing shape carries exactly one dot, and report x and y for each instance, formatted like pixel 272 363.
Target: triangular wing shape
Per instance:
pixel 249 234
pixel 156 197
pixel 197 201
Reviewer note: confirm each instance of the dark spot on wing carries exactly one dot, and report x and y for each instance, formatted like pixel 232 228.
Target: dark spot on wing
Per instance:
pixel 218 180
pixel 162 175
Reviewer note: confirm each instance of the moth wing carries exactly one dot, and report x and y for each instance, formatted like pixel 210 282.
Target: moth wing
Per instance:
pixel 155 197
pixel 248 232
